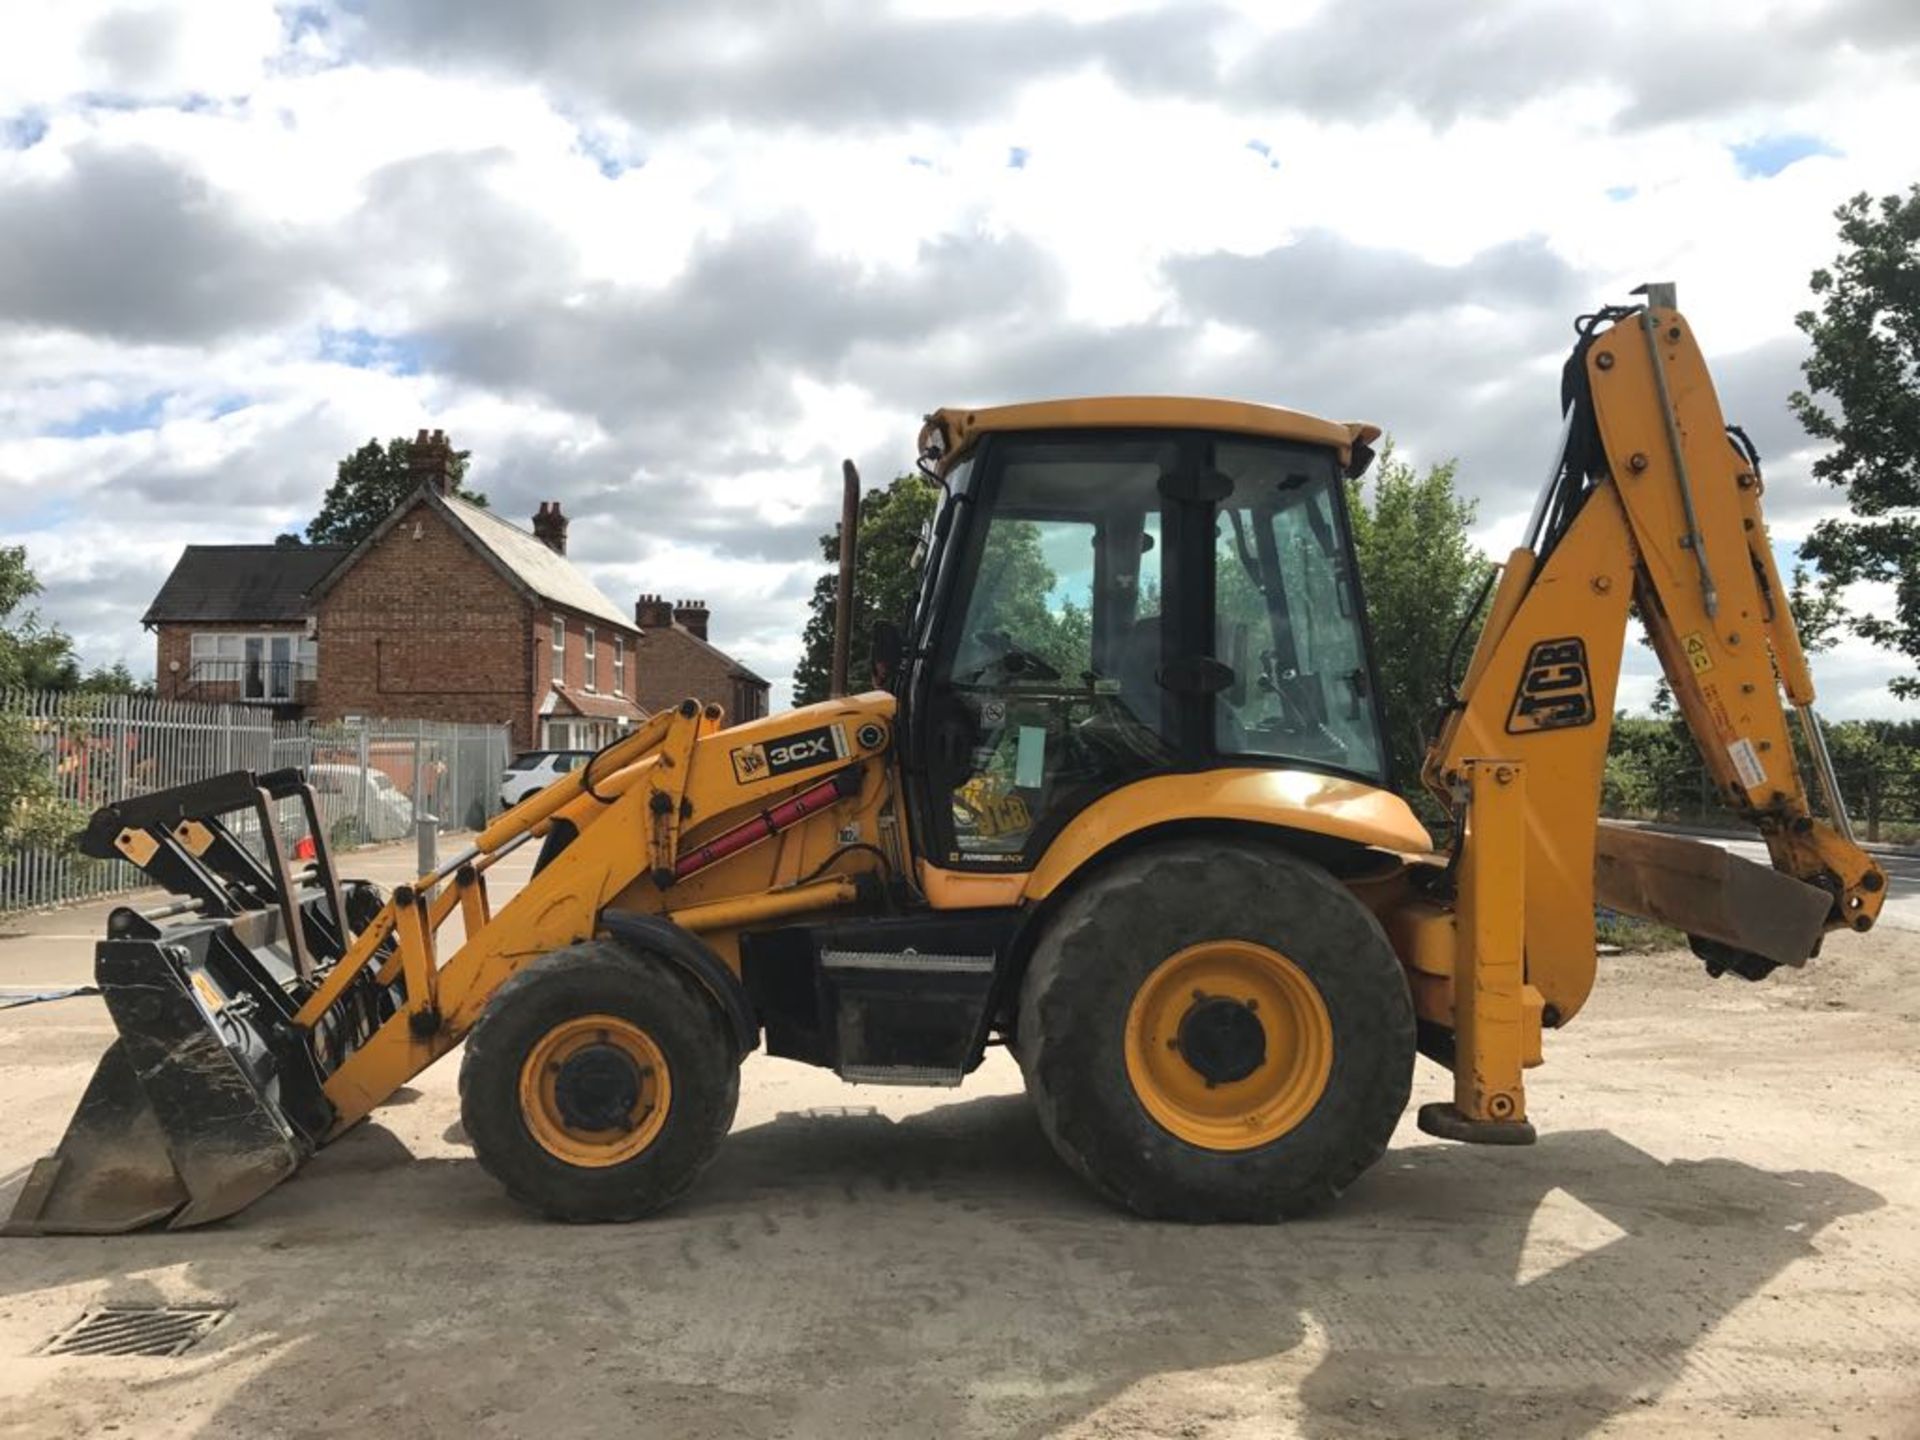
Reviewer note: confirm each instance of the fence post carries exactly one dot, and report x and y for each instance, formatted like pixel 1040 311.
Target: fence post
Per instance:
pixel 426 825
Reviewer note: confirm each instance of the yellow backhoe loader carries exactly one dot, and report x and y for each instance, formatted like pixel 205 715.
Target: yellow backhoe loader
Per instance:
pixel 1119 801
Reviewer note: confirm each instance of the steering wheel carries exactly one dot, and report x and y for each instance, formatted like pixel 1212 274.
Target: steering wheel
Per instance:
pixel 1013 659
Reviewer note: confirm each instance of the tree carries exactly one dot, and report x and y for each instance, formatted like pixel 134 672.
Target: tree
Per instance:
pixel 886 574
pixel 368 484
pixel 30 809
pixel 1420 575
pixel 1866 356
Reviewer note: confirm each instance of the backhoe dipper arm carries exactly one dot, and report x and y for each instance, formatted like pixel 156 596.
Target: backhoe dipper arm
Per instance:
pixel 1652 501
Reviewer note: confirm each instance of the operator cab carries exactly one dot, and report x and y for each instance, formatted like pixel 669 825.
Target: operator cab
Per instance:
pixel 1118 589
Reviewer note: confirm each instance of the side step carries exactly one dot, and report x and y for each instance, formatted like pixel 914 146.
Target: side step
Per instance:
pixel 904 1018
pixel 932 1075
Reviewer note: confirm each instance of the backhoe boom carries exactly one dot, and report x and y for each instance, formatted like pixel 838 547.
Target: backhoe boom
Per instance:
pixel 1655 503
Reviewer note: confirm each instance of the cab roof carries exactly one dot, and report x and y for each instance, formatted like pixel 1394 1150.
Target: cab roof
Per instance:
pixel 1143 412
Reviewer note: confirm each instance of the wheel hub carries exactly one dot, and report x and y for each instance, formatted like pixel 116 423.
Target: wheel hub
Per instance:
pixel 1228 1044
pixel 597 1088
pixel 1222 1039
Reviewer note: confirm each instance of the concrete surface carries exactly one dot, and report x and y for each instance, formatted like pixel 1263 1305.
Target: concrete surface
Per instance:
pixel 1715 1236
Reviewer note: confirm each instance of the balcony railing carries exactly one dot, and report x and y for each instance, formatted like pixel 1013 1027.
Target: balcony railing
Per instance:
pixel 266 682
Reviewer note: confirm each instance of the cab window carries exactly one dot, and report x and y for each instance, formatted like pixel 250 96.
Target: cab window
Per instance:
pixel 1287 614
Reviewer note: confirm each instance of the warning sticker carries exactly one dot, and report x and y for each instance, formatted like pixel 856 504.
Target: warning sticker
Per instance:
pixel 1695 644
pixel 1746 760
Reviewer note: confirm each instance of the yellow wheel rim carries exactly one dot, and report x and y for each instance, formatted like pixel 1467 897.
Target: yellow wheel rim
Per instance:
pixel 1228 1045
pixel 595 1090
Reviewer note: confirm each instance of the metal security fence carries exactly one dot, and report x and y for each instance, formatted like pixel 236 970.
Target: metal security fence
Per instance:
pixel 372 779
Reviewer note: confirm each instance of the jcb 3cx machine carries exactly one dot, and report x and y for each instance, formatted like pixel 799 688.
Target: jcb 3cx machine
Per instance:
pixel 1122 806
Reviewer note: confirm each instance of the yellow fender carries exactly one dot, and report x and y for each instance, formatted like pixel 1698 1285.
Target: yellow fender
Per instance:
pixel 1299 800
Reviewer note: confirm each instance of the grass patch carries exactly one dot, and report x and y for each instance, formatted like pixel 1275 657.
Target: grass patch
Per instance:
pixel 1632 933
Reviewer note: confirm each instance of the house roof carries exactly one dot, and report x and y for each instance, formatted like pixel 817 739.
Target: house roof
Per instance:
pixel 546 573
pixel 568 701
pixel 247 584
pixel 526 562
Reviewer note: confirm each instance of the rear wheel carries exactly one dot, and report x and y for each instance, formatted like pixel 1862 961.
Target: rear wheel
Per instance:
pixel 598 1083
pixel 1216 1030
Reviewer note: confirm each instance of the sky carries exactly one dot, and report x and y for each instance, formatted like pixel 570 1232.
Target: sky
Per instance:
pixel 668 262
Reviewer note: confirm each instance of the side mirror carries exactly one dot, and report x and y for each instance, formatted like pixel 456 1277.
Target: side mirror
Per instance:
pixel 885 647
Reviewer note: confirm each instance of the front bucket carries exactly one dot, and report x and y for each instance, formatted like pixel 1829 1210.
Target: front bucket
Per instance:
pixel 176 1125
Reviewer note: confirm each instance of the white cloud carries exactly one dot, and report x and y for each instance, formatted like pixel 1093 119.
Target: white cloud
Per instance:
pixel 668 267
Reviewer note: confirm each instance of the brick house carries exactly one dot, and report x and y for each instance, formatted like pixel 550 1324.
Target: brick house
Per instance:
pixel 445 611
pixel 233 623
pixel 676 660
pixel 448 612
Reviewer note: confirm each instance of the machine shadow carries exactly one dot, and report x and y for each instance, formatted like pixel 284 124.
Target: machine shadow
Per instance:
pixel 838 1272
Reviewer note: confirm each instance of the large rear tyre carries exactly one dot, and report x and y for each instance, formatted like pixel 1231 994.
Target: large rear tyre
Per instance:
pixel 1216 1030
pixel 598 1084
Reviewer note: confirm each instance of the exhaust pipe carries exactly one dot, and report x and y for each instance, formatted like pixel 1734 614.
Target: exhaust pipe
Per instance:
pixel 843 585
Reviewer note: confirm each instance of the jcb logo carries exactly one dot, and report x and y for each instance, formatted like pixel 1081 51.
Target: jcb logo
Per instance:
pixel 1556 692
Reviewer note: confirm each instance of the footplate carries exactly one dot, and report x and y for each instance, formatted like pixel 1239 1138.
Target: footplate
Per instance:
pixel 1445 1120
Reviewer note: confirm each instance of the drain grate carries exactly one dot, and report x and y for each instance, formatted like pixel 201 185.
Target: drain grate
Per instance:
pixel 137 1330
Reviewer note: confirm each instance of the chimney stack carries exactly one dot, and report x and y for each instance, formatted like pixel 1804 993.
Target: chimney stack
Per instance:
pixel 550 526
pixel 691 615
pixel 430 461
pixel 650 612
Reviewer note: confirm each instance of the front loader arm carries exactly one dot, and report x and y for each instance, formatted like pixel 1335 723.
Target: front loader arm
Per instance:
pixel 1650 502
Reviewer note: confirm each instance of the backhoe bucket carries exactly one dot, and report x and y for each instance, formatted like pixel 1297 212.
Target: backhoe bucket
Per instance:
pixel 211 1095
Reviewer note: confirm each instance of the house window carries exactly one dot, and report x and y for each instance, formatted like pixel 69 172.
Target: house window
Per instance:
pixel 592 668
pixel 619 664
pixel 559 649
pixel 259 665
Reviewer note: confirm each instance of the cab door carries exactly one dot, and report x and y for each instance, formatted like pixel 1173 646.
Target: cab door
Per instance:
pixel 1041 687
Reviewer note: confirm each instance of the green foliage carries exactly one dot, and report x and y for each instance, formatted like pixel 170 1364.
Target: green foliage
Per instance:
pixel 885 577
pixel 1814 602
pixel 33 654
pixel 1654 773
pixel 368 484
pixel 1866 356
pixel 30 810
pixel 1420 574
pixel 1632 933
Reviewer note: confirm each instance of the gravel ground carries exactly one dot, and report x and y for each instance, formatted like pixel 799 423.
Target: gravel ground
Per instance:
pixel 1715 1236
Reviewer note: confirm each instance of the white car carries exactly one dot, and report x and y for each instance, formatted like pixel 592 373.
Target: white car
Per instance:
pixel 369 797
pixel 536 770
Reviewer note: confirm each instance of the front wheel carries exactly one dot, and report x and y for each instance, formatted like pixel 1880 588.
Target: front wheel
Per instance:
pixel 1216 1030
pixel 598 1083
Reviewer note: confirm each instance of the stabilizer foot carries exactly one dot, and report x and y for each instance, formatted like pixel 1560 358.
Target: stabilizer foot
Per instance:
pixel 1444 1119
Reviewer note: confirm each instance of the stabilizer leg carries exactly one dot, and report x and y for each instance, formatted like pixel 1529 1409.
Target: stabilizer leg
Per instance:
pixel 1496 1014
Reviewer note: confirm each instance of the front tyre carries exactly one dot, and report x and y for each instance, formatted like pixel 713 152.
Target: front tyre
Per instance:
pixel 598 1083
pixel 1216 1030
